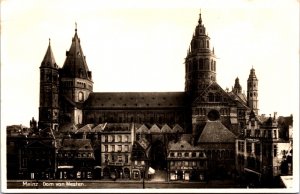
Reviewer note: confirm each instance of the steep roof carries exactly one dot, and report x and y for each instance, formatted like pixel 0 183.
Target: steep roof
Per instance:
pixel 216 132
pixel 49 60
pixel 75 64
pixel 135 99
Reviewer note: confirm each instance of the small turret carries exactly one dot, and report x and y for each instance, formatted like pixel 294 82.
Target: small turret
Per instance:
pixel 237 89
pixel 252 91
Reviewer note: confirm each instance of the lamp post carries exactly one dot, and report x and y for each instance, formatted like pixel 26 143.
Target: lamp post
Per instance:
pixel 143 170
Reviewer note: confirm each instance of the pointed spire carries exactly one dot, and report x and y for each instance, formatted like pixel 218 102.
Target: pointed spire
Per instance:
pixel 49 60
pixel 75 64
pixel 200 19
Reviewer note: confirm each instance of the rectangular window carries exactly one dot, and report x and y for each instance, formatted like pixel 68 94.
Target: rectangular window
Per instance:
pixel 106 157
pixel 179 154
pixel 275 134
pixel 106 148
pixel 112 148
pixel 186 154
pixel 275 150
pixel 257 149
pixel 257 133
pixel 249 147
pixel 120 158
pixel 126 138
pixel 126 148
pixel 126 159
pixel 186 163
pixel 112 138
pixel 119 148
pixel 194 154
pixel 105 138
pixel 119 138
pixel 172 154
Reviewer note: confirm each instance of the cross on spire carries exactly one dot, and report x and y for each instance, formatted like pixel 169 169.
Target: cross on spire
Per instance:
pixel 75 26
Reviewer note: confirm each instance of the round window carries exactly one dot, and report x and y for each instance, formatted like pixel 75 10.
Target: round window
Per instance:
pixel 213 115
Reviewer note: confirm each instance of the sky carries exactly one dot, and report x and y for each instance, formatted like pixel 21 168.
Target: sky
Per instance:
pixel 139 45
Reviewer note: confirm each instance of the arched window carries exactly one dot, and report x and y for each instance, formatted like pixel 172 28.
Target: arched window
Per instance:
pixel 195 64
pixel 80 96
pixel 206 65
pixel 207 44
pixel 201 44
pixel 201 64
pixel 212 65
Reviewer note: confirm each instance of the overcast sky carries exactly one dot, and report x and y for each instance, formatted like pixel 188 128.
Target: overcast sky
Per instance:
pixel 140 45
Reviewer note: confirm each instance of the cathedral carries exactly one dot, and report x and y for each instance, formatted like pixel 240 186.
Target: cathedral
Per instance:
pixel 204 119
pixel 67 96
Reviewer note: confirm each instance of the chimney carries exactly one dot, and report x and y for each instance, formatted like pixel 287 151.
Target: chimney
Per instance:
pixel 275 115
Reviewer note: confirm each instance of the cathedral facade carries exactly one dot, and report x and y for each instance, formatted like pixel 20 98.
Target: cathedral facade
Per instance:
pixel 207 117
pixel 67 96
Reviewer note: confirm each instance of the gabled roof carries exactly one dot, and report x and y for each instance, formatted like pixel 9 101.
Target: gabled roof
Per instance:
pixel 68 127
pixel 49 60
pixel 216 132
pixel 177 128
pixel 99 128
pixel 154 129
pixel 120 127
pixel 142 129
pixel 166 129
pixel 75 64
pixel 215 88
pixel 143 100
pixel 86 128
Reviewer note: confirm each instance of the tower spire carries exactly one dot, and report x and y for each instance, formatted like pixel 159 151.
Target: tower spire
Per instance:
pixel 76 27
pixel 200 19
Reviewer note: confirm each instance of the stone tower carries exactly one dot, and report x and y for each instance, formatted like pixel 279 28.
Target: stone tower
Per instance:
pixel 75 82
pixel 252 92
pixel 49 92
pixel 237 89
pixel 200 63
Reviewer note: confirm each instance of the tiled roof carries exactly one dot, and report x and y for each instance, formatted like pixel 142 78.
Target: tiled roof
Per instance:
pixel 154 129
pixel 166 129
pixel 99 128
pixel 178 128
pixel 216 132
pixel 142 129
pixel 135 100
pixel 86 128
pixel 77 144
pixel 75 64
pixel 182 145
pixel 69 127
pixel 118 127
pixel 49 60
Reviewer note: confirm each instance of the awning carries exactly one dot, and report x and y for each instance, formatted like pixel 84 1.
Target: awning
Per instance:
pixel 69 167
pixel 151 171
